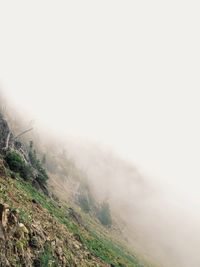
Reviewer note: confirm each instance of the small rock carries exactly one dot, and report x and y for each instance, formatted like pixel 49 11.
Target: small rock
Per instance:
pixel 34 243
pixel 76 246
pixel 23 228
pixel 34 201
pixel 21 231
pixel 37 263
pixel 78 238
pixel 13 175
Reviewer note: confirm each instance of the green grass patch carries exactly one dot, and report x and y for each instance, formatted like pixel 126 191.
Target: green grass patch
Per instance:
pixel 100 246
pixel 46 258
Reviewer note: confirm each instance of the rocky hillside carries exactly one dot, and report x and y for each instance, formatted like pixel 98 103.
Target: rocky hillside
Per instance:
pixel 31 236
pixel 36 228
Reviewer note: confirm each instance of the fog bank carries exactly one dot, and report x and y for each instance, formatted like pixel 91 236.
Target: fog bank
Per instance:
pixel 162 222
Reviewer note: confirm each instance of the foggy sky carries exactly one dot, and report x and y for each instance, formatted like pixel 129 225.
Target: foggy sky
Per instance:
pixel 124 74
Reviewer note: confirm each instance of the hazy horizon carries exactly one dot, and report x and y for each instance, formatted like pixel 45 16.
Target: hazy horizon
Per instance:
pixel 120 75
pixel 127 79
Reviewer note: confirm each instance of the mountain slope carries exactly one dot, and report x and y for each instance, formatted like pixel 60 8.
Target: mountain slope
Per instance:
pixel 36 226
pixel 36 229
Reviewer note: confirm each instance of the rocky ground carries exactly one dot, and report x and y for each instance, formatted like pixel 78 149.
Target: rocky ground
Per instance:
pixel 31 236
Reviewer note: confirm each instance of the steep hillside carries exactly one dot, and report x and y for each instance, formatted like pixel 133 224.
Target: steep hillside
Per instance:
pixel 36 228
pixel 32 236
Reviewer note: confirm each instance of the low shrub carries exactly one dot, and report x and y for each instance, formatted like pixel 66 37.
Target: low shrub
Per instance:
pixel 18 165
pixel 104 214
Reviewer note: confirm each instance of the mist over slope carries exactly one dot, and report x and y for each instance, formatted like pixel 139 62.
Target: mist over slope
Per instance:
pixel 124 74
pixel 157 220
pixel 39 226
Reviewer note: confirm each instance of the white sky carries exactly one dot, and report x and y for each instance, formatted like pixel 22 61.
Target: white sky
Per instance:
pixel 122 73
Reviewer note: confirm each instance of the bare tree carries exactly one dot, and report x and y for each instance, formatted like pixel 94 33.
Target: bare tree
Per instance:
pixel 22 133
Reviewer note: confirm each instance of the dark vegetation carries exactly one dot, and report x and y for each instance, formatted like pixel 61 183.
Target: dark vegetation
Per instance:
pixel 85 199
pixel 88 205
pixel 104 214
pixel 18 165
pixel 84 203
pixel 101 211
pixel 41 175
pixel 29 171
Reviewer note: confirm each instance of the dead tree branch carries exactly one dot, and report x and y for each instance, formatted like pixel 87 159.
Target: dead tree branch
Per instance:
pixel 22 133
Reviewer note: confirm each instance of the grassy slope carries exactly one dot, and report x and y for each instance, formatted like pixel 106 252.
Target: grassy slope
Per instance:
pixel 99 245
